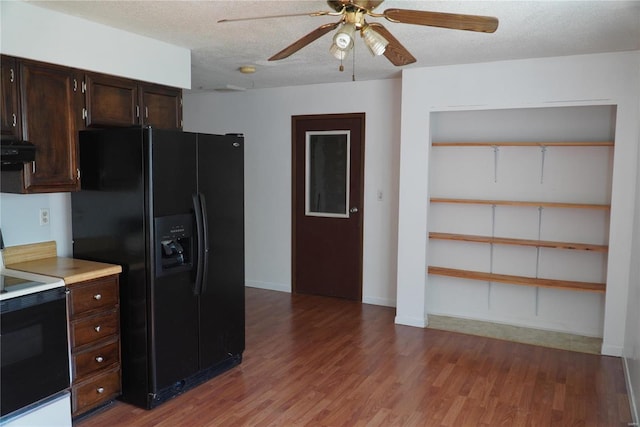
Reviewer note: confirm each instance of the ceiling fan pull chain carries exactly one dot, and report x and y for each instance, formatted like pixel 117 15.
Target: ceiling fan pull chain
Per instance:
pixel 353 74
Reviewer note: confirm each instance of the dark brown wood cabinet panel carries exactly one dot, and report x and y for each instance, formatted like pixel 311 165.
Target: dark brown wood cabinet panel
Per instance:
pixel 96 358
pixel 94 328
pixel 161 106
pixel 10 106
pixel 110 101
pixel 94 313
pixel 95 391
pixel 51 100
pixel 48 104
pixel 94 296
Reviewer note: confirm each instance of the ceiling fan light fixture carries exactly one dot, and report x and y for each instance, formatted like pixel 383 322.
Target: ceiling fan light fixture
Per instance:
pixel 337 52
pixel 343 39
pixel 376 43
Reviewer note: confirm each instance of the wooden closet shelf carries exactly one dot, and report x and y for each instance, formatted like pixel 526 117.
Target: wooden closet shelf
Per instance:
pixel 526 144
pixel 518 280
pixel 520 203
pixel 519 242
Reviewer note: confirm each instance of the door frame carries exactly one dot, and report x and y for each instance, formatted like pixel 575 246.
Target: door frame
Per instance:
pixel 294 184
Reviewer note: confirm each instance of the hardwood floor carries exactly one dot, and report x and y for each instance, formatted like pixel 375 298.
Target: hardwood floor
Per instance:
pixel 315 361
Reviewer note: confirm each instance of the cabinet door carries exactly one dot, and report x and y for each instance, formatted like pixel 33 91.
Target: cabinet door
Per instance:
pixel 110 101
pixel 51 111
pixel 161 107
pixel 10 106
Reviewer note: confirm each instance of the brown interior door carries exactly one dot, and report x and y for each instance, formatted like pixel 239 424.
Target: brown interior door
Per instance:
pixel 328 171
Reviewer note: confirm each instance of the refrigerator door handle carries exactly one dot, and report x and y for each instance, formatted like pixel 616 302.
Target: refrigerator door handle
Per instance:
pixel 197 210
pixel 205 233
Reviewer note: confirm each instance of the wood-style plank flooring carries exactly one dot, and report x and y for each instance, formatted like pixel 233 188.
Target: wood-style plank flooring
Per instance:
pixel 314 361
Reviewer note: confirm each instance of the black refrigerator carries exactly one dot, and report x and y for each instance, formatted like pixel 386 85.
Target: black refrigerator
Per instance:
pixel 169 207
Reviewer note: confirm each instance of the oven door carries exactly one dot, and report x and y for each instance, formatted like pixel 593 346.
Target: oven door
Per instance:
pixel 34 349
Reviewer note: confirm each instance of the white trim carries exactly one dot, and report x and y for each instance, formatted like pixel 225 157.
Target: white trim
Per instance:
pixel 268 286
pixel 630 392
pixel 411 321
pixel 611 350
pixel 385 302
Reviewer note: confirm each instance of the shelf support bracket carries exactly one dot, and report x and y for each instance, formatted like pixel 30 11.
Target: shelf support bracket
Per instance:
pixel 543 151
pixel 496 149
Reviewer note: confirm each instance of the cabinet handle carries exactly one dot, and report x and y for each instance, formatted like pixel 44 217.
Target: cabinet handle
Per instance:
pixel 75 85
pixel 146 112
pixel 99 359
pixel 11 73
pixel 137 111
pixel 15 119
pixel 33 167
pixel 97 328
pixel 84 87
pixel 84 114
pixel 100 390
pixel 97 297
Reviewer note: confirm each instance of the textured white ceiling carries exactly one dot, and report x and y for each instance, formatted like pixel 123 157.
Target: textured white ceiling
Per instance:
pixel 527 29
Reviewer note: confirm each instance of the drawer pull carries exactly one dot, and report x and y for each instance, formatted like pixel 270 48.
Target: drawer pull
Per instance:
pixel 100 390
pixel 97 297
pixel 97 328
pixel 99 359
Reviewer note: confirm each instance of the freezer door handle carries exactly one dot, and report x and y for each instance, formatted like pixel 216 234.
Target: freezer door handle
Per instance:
pixel 197 210
pixel 202 232
pixel 205 234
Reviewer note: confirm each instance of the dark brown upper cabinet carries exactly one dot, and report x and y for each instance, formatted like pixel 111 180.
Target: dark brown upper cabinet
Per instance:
pixel 161 106
pixel 51 100
pixel 10 106
pixel 110 101
pixel 114 101
pixel 48 105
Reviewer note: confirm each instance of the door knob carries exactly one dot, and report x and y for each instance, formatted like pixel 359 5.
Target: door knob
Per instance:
pixel 353 210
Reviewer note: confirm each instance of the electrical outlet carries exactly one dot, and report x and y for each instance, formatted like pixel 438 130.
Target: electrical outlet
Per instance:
pixel 44 216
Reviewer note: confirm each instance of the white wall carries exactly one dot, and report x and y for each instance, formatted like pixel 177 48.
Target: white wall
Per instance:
pixel 264 116
pixel 35 33
pixel 568 174
pixel 605 79
pixel 632 340
pixel 31 32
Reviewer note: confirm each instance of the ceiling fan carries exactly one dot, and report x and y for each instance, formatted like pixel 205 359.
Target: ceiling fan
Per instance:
pixel 377 38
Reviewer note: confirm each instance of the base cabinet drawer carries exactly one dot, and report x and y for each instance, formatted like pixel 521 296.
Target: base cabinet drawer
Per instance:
pixel 94 359
pixel 93 296
pixel 94 328
pixel 94 325
pixel 95 391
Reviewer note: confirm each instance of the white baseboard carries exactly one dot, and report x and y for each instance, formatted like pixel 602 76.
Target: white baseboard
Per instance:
pixel 611 350
pixel 412 321
pixel 379 301
pixel 268 285
pixel 631 393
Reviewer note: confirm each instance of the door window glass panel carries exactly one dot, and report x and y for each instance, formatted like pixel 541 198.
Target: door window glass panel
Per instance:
pixel 327 173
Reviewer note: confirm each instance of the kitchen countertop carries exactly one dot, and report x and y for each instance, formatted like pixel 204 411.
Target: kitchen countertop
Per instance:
pixel 70 270
pixel 40 258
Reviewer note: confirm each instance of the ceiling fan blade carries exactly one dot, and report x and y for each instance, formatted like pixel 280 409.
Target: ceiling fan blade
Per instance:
pixel 395 52
pixel 300 43
pixel 486 24
pixel 252 18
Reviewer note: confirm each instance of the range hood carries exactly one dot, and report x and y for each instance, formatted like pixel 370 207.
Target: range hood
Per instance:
pixel 14 153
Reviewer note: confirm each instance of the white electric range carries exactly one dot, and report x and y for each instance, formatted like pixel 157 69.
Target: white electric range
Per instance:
pixel 34 350
pixel 15 283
